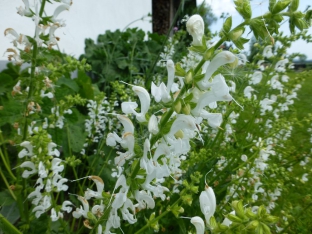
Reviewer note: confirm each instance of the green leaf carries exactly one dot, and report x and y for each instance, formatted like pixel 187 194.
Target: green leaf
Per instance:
pixel 10 212
pixel 69 83
pixel 6 82
pixel 240 42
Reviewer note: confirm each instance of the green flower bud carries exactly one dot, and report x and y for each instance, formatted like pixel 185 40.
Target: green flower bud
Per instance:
pixel 234 218
pixel 271 219
pixel 189 77
pixel 253 225
pixel 239 209
pixel 186 109
pixel 178 106
pixel 209 54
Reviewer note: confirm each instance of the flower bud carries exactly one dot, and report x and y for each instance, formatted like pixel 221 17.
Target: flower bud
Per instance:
pixel 186 109
pixel 178 107
pixel 195 27
pixel 253 225
pixel 189 77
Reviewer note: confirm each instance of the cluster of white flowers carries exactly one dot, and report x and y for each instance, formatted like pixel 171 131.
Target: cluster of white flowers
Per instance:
pixel 44 161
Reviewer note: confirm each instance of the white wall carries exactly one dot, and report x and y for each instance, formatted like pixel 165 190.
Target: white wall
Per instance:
pixel 85 19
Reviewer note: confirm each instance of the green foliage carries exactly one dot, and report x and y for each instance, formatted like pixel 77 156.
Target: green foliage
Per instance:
pixel 121 56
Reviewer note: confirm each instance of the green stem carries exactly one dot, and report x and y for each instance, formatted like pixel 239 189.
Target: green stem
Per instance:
pixel 7 184
pixel 7 226
pixel 43 2
pixel 6 164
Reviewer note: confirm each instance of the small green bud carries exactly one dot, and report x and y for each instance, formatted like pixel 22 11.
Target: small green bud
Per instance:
pixel 253 225
pixel 213 222
pixel 239 208
pixel 271 219
pixel 209 54
pixel 236 34
pixel 189 77
pixel 234 218
pixel 178 107
pixel 179 71
pixel 250 214
pixel 186 109
pixel 265 228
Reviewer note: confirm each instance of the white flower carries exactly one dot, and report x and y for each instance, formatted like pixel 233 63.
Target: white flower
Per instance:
pixel 267 51
pixel 30 165
pixel 280 65
pixel 242 59
pixel 219 92
pixel 219 60
pixel 82 211
pixel 58 181
pixel 304 177
pixel 244 158
pixel 24 11
pixel 56 167
pixel 26 152
pixel 126 215
pixel 256 77
pixel 99 187
pixel 160 93
pixel 126 123
pixel 153 125
pixel 144 200
pixel 58 10
pixel 214 119
pixel 247 92
pixel 98 209
pixel 42 171
pixel 49 94
pixel 199 224
pixel 51 151
pixel 195 27
pixel 207 201
pixel 66 206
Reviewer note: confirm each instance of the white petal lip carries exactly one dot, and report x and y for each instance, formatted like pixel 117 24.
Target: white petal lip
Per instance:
pixel 199 224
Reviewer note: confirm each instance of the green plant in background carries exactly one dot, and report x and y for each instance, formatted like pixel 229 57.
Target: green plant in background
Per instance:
pixel 210 141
